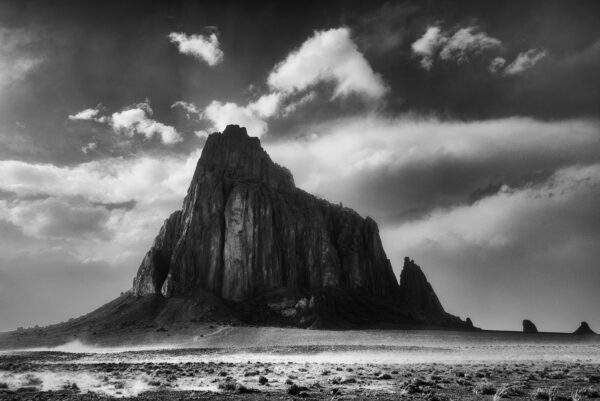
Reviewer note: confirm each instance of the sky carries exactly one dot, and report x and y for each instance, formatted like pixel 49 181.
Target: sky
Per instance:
pixel 469 130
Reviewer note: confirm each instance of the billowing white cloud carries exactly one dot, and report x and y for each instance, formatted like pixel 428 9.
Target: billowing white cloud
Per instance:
pixel 525 61
pixel 328 56
pixel 137 120
pixel 129 122
pixel 202 47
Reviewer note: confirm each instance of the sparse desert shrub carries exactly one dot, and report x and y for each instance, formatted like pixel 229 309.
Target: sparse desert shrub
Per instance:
pixel 263 380
pixel 227 385
pixel 294 389
pixel 544 394
pixel 31 380
pixel 484 389
pixel 502 392
pixel 589 392
pixel 540 394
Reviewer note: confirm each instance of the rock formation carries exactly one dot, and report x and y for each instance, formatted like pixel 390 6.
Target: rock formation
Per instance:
pixel 529 327
pixel 246 234
pixel 416 291
pixel 584 329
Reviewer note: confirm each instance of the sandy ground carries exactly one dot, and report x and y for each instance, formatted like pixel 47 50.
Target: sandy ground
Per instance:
pixel 260 363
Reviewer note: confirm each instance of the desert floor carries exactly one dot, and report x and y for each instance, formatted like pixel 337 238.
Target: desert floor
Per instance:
pixel 268 363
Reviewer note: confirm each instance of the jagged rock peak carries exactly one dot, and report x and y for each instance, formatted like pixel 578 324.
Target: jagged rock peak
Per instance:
pixel 416 291
pixel 584 328
pixel 529 327
pixel 242 157
pixel 245 230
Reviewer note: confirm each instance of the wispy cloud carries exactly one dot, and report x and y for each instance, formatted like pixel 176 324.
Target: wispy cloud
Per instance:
pixel 16 58
pixel 524 61
pixel 460 46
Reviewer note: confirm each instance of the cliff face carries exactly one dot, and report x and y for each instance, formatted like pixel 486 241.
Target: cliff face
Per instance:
pixel 245 229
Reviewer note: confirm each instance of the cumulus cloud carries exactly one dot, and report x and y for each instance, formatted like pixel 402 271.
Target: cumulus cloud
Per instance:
pixel 136 120
pixel 202 47
pixel 328 56
pixel 460 46
pixel 130 121
pixel 525 61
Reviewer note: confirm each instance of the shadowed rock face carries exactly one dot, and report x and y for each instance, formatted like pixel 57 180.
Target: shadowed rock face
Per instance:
pixel 416 291
pixel 529 327
pixel 245 228
pixel 584 328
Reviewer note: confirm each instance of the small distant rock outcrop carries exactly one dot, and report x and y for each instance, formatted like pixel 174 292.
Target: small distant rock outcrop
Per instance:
pixel 584 329
pixel 529 327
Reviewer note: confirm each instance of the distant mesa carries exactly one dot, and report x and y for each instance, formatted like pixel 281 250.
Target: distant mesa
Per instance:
pixel 584 329
pixel 529 327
